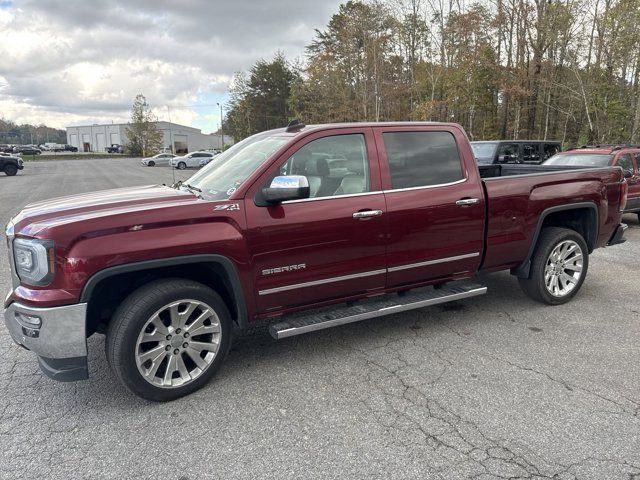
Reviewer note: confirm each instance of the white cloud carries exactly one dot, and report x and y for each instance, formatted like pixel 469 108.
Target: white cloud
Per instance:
pixel 68 61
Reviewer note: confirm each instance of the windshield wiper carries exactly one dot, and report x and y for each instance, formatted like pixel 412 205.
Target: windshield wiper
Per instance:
pixel 191 187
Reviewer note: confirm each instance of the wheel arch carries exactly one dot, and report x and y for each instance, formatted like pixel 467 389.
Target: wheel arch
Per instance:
pixel 107 288
pixel 581 217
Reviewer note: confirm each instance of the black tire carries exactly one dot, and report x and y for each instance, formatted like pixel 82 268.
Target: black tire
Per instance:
pixel 182 166
pixel 152 163
pixel 535 286
pixel 132 315
pixel 10 170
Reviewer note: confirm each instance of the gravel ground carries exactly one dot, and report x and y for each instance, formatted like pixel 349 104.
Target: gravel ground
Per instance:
pixel 491 387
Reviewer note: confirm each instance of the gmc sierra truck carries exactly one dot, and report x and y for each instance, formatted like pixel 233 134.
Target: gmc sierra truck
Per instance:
pixel 296 229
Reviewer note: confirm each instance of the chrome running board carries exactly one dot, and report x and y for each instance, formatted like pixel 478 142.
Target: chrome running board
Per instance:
pixel 305 322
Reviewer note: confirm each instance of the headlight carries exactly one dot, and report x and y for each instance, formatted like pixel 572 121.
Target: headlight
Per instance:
pixel 34 260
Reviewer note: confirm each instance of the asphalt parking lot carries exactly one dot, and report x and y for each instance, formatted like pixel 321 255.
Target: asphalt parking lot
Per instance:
pixel 491 387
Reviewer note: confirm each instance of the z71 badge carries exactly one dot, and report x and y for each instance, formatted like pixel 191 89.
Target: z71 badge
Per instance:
pixel 227 206
pixel 286 268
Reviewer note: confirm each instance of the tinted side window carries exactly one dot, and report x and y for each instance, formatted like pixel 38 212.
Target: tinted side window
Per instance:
pixel 335 165
pixel 531 152
pixel 418 159
pixel 549 150
pixel 508 152
pixel 625 162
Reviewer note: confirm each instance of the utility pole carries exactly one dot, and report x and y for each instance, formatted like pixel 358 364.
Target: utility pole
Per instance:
pixel 221 128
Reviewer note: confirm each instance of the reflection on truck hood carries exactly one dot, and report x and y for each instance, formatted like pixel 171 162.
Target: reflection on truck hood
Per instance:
pixel 57 211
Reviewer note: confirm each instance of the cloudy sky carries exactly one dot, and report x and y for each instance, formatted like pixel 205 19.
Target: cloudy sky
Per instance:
pixel 69 62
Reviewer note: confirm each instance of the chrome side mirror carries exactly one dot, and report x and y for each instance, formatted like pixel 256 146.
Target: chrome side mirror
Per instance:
pixel 287 187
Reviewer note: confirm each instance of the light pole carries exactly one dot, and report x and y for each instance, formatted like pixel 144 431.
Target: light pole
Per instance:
pixel 221 130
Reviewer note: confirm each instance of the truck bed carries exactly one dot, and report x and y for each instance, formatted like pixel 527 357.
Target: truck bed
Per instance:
pixel 518 196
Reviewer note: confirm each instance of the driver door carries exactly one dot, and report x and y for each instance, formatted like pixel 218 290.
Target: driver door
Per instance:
pixel 329 246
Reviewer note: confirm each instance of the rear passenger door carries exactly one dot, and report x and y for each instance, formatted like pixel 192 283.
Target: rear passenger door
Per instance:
pixel 628 162
pixel 435 204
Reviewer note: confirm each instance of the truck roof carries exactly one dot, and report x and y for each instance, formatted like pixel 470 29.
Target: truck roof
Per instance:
pixel 325 126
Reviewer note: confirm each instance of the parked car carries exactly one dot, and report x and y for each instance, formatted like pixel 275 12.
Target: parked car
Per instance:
pixel 514 151
pixel 26 150
pixel 160 160
pixel 10 165
pixel 269 231
pixel 115 148
pixel 70 148
pixel 191 160
pixel 625 156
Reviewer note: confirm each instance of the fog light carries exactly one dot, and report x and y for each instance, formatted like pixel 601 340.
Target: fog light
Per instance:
pixel 28 321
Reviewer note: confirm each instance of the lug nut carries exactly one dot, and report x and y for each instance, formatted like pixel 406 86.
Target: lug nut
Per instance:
pixel 168 337
pixel 186 335
pixel 178 330
pixel 167 348
pixel 176 351
pixel 185 345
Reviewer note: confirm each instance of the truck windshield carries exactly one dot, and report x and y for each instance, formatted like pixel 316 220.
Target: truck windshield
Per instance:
pixel 484 151
pixel 220 178
pixel 580 159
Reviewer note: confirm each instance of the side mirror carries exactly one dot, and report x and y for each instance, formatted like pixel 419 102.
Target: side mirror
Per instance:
pixel 627 173
pixel 286 187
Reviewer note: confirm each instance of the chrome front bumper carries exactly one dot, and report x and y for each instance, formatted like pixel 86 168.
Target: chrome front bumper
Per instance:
pixel 59 341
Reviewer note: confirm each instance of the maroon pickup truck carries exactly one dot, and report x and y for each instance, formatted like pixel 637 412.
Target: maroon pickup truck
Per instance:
pixel 300 228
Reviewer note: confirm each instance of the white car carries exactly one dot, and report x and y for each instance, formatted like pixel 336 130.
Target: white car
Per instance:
pixel 159 160
pixel 191 160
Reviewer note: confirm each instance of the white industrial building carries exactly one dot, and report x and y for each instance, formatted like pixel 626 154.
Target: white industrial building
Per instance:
pixel 177 138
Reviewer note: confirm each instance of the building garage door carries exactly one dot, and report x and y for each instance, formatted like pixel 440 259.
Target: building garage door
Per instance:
pixel 86 143
pixel 73 139
pixel 114 139
pixel 180 144
pixel 100 145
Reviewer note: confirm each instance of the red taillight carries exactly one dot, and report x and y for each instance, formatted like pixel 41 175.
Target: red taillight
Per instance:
pixel 624 189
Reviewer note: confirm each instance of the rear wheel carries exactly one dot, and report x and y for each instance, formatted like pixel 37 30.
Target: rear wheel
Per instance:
pixel 558 266
pixel 10 170
pixel 168 338
pixel 182 166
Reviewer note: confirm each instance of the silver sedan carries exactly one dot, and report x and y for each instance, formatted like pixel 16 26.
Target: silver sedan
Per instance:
pixel 159 160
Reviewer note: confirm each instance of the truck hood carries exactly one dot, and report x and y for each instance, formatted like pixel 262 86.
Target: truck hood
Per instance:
pixel 36 217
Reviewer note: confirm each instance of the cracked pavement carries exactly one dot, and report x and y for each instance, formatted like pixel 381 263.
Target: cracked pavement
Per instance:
pixel 491 387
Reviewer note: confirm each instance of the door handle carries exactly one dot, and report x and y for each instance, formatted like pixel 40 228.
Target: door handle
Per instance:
pixel 467 201
pixel 367 213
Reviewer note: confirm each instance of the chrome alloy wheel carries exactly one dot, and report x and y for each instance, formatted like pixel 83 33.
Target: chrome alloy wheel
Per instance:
pixel 178 343
pixel 563 269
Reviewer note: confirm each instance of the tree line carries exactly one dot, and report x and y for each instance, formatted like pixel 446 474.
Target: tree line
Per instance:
pixel 14 134
pixel 565 70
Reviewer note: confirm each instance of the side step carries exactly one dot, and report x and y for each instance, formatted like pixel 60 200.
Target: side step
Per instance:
pixel 304 322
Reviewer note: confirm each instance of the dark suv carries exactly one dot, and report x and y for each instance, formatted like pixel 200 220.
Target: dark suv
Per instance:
pixel 10 165
pixel 514 151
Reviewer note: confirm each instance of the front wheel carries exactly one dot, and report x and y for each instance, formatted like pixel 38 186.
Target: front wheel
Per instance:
pixel 152 163
pixel 168 338
pixel 558 266
pixel 10 170
pixel 182 166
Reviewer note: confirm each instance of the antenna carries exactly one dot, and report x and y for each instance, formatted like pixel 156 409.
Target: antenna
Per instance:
pixel 173 169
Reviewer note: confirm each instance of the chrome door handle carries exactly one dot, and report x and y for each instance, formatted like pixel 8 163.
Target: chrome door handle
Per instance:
pixel 367 214
pixel 468 201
